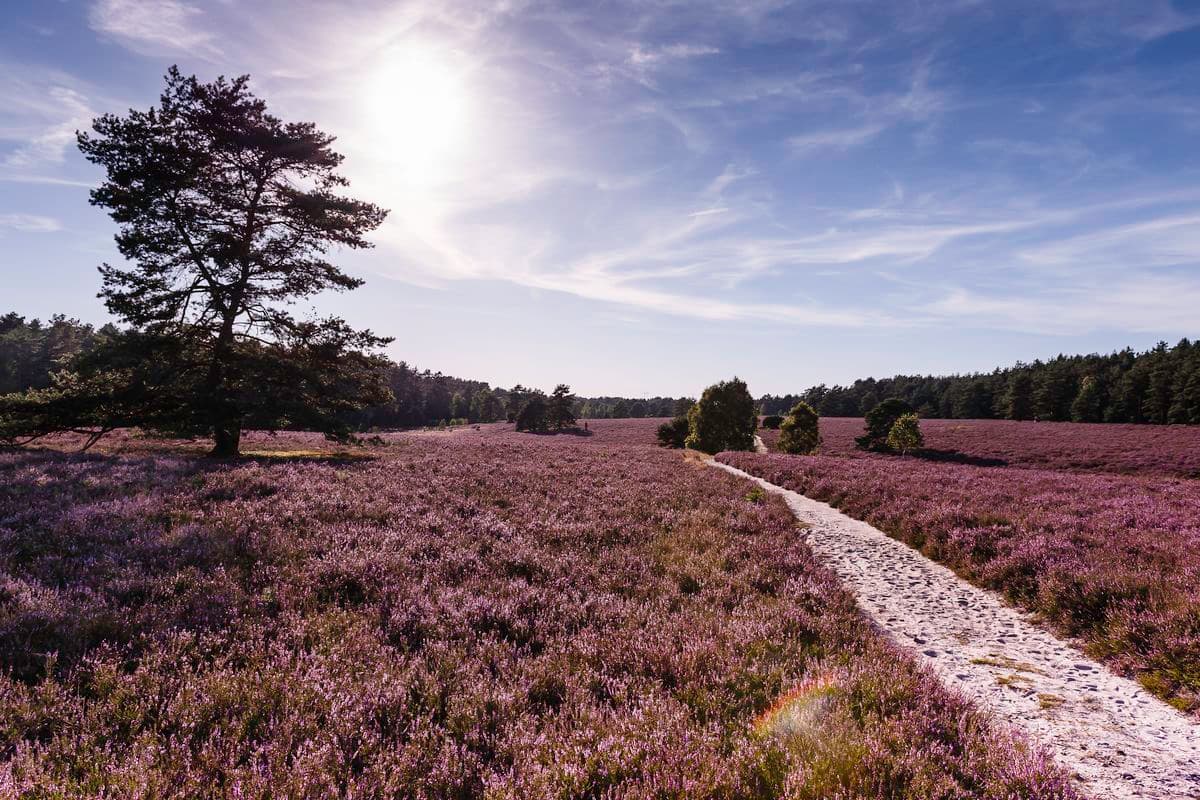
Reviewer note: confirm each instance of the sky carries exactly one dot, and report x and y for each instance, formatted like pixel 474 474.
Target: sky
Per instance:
pixel 641 198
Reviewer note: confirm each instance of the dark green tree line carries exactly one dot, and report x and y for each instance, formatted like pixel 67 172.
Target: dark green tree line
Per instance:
pixel 1159 386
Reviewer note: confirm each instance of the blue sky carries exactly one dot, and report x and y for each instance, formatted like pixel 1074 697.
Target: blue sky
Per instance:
pixel 644 197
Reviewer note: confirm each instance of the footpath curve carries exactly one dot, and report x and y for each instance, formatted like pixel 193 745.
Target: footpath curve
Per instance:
pixel 1119 740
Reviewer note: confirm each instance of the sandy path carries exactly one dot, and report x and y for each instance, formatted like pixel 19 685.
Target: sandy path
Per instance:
pixel 759 445
pixel 1121 741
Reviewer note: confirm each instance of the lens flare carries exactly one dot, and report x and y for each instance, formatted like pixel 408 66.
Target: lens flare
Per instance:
pixel 800 711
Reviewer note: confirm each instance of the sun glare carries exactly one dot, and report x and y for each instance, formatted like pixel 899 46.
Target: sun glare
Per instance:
pixel 417 104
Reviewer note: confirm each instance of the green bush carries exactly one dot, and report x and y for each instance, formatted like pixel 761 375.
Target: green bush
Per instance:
pixel 800 432
pixel 880 420
pixel 725 418
pixel 772 421
pixel 905 434
pixel 673 433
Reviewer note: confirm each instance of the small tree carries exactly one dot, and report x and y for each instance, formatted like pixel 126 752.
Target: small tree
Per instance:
pixel 800 431
pixel 772 421
pixel 879 423
pixel 561 411
pixel 905 434
pixel 673 433
pixel 725 418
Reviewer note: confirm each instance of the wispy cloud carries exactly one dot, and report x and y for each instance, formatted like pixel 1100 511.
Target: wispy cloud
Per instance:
pixel 1142 305
pixel 642 56
pixel 155 26
pixel 30 223
pixel 47 144
pixel 684 159
pixel 833 140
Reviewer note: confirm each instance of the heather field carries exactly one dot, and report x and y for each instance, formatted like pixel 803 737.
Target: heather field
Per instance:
pixel 467 614
pixel 1112 559
pixel 1163 450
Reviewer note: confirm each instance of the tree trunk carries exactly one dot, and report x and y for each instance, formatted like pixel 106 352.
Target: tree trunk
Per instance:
pixel 226 424
pixel 226 441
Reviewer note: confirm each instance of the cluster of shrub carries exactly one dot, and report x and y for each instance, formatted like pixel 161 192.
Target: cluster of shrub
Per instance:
pixel 726 418
pixel 1159 386
pixel 541 414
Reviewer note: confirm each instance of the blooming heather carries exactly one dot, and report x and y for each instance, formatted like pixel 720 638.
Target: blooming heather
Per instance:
pixel 1112 559
pixel 1165 450
pixel 468 615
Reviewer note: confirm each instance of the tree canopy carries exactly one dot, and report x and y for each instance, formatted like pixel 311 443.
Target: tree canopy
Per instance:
pixel 880 420
pixel 1158 386
pixel 799 433
pixel 724 418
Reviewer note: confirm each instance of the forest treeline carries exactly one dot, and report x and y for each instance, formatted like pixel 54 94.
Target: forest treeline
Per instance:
pixel 32 349
pixel 1159 386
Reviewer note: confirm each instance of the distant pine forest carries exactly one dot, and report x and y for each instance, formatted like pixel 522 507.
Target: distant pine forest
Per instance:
pixel 1159 386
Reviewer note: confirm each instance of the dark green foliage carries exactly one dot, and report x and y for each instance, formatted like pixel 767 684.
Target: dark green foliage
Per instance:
pixel 799 433
pixel 225 214
pixel 867 402
pixel 1018 398
pixel 540 414
pixel 534 415
pixel 972 401
pixel 606 407
pixel 459 406
pixel 725 418
pixel 486 406
pixel 1054 393
pixel 1153 387
pixel 673 433
pixel 1185 407
pixel 1088 405
pixel 879 421
pixel 772 421
pixel 518 396
pixel 560 410
pixel 30 350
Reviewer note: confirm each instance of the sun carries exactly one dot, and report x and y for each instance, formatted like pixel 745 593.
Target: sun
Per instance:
pixel 417 105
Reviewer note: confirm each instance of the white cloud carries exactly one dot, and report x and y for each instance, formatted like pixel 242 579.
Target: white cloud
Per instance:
pixel 609 162
pixel 155 26
pixel 839 140
pixel 30 223
pixel 49 142
pixel 642 56
pixel 1158 242
pixel 1142 305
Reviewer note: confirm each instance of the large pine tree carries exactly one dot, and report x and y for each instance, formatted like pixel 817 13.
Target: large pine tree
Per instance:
pixel 225 216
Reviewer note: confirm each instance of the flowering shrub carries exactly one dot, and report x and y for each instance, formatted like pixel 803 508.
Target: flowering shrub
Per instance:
pixel 466 613
pixel 1113 559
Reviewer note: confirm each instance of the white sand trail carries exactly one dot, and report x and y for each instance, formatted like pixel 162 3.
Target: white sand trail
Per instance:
pixel 1118 739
